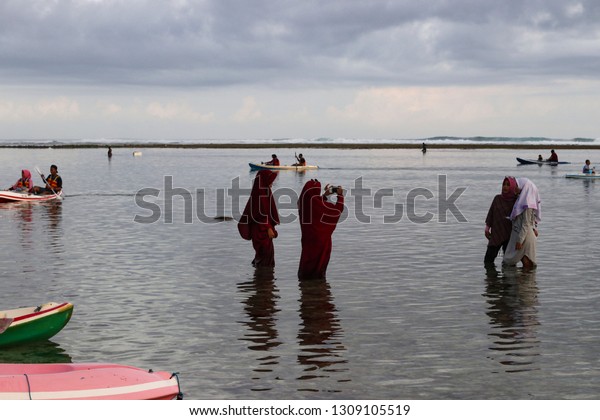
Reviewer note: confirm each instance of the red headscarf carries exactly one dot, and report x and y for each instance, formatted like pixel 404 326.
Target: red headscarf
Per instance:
pixel 261 208
pixel 315 212
pixel 511 195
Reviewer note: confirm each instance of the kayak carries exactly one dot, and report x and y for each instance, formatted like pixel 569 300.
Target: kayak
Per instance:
pixel 85 381
pixel 539 162
pixel 12 196
pixel 583 176
pixel 259 166
pixel 23 325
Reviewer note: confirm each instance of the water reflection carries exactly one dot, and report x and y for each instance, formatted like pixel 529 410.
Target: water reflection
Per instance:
pixel 260 304
pixel 320 334
pixel 24 213
pixel 38 352
pixel 54 217
pixel 512 296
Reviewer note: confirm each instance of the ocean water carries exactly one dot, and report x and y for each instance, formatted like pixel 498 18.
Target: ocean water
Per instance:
pixel 407 312
pixel 542 142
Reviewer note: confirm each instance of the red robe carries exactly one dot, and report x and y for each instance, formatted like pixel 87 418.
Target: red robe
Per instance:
pixel 318 219
pixel 260 215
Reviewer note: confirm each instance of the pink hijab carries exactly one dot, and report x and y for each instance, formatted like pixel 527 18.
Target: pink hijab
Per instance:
pixel 529 198
pixel 25 178
pixel 511 195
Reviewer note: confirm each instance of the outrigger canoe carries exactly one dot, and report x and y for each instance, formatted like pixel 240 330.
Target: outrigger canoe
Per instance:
pixel 259 166
pixel 12 196
pixel 85 381
pixel 539 162
pixel 23 325
pixel 583 176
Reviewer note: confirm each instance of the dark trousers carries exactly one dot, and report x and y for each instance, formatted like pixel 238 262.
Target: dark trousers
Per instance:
pixel 492 252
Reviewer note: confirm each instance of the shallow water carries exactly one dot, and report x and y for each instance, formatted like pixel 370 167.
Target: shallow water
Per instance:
pixel 408 310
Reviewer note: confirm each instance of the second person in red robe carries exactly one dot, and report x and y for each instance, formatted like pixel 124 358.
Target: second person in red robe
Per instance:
pixel 318 219
pixel 259 219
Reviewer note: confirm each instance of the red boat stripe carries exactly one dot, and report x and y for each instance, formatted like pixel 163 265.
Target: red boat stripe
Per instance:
pixel 20 318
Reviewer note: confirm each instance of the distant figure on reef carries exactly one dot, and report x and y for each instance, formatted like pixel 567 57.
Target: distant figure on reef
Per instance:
pixel 23 184
pixel 424 148
pixel 553 156
pixel 259 219
pixel 53 182
pixel 586 168
pixel 525 216
pixel 497 224
pixel 318 219
pixel 540 158
pixel 109 152
pixel 274 161
pixel 300 159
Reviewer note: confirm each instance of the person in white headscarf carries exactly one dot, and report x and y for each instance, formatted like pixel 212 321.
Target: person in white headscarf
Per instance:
pixel 525 216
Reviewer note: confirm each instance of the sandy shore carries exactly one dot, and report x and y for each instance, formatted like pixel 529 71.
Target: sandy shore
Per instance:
pixel 302 146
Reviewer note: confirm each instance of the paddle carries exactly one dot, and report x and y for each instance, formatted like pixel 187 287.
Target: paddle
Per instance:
pixel 46 182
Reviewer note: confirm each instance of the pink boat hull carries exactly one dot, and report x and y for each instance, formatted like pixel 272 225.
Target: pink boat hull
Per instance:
pixel 15 197
pixel 85 381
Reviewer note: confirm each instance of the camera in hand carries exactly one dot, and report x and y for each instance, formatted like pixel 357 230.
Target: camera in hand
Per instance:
pixel 335 190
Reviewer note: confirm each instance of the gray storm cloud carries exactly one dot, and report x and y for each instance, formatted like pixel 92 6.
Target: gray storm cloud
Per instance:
pixel 228 43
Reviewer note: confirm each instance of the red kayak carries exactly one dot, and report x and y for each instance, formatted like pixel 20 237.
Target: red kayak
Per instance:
pixel 12 197
pixel 85 381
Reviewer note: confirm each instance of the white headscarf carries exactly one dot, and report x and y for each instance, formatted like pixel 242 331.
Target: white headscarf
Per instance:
pixel 529 198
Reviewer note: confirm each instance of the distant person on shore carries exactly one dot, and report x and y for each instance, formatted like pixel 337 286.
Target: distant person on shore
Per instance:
pixel 300 159
pixel 109 152
pixel 525 216
pixel 540 158
pixel 587 169
pixel 498 226
pixel 259 219
pixel 53 182
pixel 318 219
pixel 23 184
pixel 274 161
pixel 424 148
pixel 553 156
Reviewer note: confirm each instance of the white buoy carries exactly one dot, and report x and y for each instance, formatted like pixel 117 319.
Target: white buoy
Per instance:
pixel 136 153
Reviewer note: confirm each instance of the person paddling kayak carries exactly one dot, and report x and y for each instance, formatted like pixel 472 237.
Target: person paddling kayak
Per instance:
pixel 53 182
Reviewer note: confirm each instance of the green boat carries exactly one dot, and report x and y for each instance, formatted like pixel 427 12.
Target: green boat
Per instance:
pixel 23 325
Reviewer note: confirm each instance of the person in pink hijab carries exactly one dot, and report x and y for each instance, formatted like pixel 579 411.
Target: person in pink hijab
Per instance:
pixel 24 184
pixel 318 219
pixel 497 224
pixel 259 219
pixel 525 216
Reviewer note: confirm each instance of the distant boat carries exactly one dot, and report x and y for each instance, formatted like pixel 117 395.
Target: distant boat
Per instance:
pixel 85 381
pixel 583 176
pixel 25 325
pixel 137 153
pixel 259 166
pixel 539 162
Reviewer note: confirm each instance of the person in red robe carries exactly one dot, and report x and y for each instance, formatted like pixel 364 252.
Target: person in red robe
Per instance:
pixel 259 219
pixel 274 161
pixel 318 219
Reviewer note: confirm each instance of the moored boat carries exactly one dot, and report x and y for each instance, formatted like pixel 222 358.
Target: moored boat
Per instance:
pixel 12 196
pixel 583 176
pixel 539 162
pixel 25 325
pixel 259 166
pixel 85 381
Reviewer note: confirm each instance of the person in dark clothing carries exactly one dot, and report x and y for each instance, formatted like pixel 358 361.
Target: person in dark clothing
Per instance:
pixel 497 225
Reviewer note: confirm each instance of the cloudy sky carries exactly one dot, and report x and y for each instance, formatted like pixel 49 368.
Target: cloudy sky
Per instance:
pixel 238 69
